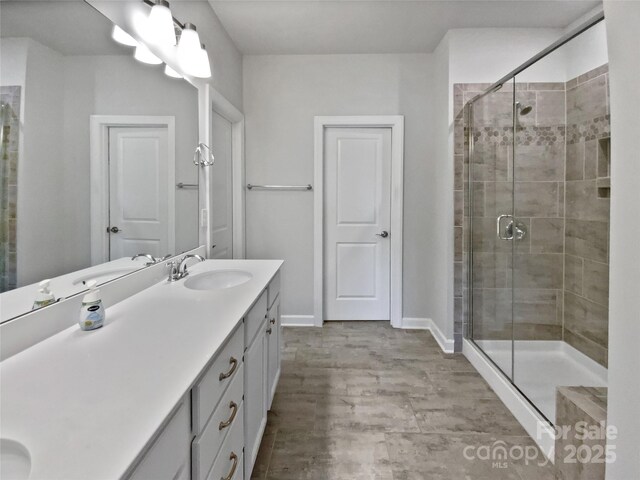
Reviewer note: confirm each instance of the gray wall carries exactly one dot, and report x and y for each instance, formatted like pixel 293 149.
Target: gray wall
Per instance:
pixel 282 94
pixel 623 18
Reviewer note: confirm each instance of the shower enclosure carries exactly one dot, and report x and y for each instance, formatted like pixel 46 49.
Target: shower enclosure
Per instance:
pixel 536 219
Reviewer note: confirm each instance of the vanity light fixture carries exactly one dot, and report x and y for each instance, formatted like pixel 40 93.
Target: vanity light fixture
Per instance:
pixel 202 68
pixel 159 27
pixel 123 37
pixel 170 72
pixel 189 48
pixel 144 55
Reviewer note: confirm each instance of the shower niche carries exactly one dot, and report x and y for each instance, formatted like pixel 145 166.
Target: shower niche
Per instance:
pixel 533 166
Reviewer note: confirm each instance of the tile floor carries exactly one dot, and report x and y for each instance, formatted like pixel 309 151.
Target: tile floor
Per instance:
pixel 360 400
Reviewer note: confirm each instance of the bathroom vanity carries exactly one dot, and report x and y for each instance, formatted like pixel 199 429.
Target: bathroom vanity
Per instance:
pixel 176 385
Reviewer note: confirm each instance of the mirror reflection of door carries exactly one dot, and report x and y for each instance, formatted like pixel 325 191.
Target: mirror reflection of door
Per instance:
pixel 221 193
pixel 139 191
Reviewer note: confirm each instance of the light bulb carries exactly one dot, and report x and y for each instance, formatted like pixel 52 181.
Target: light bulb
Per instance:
pixel 123 37
pixel 159 28
pixel 144 55
pixel 202 68
pixel 171 72
pixel 189 49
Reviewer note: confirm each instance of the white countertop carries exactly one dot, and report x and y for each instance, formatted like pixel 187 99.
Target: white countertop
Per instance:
pixel 85 404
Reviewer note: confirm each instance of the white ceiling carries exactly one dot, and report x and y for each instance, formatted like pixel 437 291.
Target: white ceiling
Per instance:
pixel 384 26
pixel 71 27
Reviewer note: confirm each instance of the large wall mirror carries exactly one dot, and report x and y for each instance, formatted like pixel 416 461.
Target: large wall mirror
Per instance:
pixel 97 153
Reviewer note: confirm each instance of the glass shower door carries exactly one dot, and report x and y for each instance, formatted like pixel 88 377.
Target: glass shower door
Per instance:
pixel 538 278
pixel 492 228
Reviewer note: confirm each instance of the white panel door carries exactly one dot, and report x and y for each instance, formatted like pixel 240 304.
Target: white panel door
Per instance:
pixel 139 192
pixel 221 188
pixel 357 206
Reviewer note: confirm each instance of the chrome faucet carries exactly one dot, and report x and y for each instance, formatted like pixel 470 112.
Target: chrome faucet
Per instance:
pixel 152 259
pixel 182 266
pixel 178 270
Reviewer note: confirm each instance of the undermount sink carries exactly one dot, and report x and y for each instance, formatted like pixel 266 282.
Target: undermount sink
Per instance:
pixel 104 275
pixel 217 279
pixel 15 461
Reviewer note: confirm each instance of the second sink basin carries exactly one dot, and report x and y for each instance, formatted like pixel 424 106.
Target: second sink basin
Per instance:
pixel 105 275
pixel 15 461
pixel 217 279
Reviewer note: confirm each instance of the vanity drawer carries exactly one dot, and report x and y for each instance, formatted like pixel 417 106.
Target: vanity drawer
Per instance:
pixel 205 447
pixel 206 394
pixel 230 460
pixel 273 290
pixel 168 456
pixel 254 319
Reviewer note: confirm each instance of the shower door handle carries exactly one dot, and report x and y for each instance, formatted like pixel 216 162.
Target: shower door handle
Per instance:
pixel 512 228
pixel 500 231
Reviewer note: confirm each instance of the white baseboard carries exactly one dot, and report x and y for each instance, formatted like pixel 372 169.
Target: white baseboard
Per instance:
pixel 297 320
pixel 428 324
pixel 416 323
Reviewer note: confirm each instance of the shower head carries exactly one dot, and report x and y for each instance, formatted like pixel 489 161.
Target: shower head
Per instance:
pixel 523 110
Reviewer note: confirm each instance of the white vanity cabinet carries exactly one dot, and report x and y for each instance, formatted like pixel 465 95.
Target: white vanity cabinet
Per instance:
pixel 216 431
pixel 255 381
pixel 217 401
pixel 274 342
pixel 168 457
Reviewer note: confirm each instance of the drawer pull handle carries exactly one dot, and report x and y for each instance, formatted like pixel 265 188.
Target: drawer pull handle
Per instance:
pixel 273 321
pixel 233 457
pixel 269 330
pixel 234 364
pixel 234 407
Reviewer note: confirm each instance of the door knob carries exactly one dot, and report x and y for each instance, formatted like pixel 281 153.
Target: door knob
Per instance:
pixel 384 234
pixel 113 229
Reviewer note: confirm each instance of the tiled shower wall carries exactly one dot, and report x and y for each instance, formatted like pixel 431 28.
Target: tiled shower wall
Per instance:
pixel 539 172
pixel 10 97
pixel 586 276
pixel 546 305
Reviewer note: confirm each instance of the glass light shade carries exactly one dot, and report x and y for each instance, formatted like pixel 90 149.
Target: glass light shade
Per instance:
pixel 189 49
pixel 144 55
pixel 171 72
pixel 123 37
pixel 159 27
pixel 202 69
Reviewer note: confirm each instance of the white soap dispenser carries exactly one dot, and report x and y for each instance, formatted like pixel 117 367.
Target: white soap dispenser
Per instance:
pixel 44 296
pixel 92 310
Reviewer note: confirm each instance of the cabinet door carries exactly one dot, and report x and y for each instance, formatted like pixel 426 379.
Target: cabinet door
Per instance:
pixel 274 339
pixel 255 394
pixel 168 457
